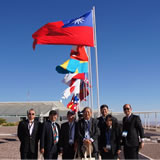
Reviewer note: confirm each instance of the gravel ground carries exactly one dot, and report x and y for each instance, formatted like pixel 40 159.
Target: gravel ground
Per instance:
pixel 9 145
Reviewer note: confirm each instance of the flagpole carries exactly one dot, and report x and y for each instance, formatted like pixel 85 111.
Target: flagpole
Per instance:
pixel 90 78
pixel 96 57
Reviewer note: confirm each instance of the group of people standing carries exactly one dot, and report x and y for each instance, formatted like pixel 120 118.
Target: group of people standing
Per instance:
pixel 103 135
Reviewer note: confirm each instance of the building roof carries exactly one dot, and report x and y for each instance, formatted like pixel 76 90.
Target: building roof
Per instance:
pixel 21 108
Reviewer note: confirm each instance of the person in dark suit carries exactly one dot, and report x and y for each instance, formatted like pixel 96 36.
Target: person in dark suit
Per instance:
pixel 88 133
pixel 133 133
pixel 29 135
pixel 110 140
pixel 49 142
pixel 101 121
pixel 68 137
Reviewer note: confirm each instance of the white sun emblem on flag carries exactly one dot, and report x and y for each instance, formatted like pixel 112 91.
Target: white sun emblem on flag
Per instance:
pixel 79 20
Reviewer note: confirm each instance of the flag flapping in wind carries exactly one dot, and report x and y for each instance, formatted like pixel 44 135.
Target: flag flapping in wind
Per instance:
pixel 73 89
pixel 78 31
pixel 79 53
pixel 73 66
pixel 84 92
pixel 73 104
pixel 70 78
pixel 78 62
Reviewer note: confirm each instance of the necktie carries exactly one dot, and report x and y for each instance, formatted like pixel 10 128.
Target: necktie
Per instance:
pixel 70 130
pixel 70 133
pixel 87 125
pixel 54 133
pixel 108 135
pixel 87 129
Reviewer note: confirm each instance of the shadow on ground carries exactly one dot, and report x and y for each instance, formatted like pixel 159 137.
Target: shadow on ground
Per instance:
pixel 10 139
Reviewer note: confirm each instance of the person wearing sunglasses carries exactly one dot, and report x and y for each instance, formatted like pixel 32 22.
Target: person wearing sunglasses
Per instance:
pixel 132 134
pixel 29 135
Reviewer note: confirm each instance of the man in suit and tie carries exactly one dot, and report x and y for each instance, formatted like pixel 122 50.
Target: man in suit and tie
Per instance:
pixel 133 133
pixel 49 142
pixel 88 133
pixel 29 135
pixel 68 137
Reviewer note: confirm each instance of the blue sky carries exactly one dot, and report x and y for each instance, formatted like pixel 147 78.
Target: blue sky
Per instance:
pixel 128 39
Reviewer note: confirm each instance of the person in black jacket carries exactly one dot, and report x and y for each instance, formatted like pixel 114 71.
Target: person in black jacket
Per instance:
pixel 68 136
pixel 104 112
pixel 29 135
pixel 110 140
pixel 49 142
pixel 101 121
pixel 88 133
pixel 133 133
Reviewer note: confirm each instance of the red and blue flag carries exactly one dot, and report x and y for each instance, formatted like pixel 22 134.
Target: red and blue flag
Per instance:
pixel 78 31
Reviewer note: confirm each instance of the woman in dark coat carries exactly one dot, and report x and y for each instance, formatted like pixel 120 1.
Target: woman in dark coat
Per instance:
pixel 110 139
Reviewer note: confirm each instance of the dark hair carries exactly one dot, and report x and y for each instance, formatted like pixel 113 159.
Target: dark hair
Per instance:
pixel 70 113
pixel 87 108
pixel 109 116
pixel 53 112
pixel 125 105
pixel 104 106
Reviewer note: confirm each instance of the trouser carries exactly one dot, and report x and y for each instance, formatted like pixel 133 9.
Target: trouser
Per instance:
pixel 29 155
pixel 131 152
pixel 52 154
pixel 68 152
pixel 108 155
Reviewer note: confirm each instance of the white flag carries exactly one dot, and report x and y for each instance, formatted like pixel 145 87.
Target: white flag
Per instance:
pixel 73 89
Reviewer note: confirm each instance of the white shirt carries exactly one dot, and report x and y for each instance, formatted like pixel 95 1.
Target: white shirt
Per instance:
pixel 87 133
pixel 30 127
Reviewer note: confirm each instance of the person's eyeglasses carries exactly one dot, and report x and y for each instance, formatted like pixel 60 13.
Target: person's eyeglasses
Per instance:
pixel 126 109
pixel 31 113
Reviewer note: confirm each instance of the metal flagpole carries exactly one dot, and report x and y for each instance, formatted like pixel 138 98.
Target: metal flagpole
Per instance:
pixel 96 57
pixel 90 78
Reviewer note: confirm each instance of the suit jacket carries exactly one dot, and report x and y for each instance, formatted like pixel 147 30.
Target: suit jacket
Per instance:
pixel 115 139
pixel 101 122
pixel 47 139
pixel 94 133
pixel 64 136
pixel 29 142
pixel 102 125
pixel 134 129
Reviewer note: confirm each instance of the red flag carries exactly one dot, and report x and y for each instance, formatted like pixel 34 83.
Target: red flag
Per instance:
pixel 72 106
pixel 70 78
pixel 84 92
pixel 78 31
pixel 79 53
